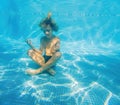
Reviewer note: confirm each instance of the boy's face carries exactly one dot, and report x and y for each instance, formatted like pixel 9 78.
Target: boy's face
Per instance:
pixel 48 32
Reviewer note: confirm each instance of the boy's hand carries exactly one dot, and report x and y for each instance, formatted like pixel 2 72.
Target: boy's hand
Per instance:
pixel 29 41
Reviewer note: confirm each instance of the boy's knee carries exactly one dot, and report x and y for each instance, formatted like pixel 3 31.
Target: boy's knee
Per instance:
pixel 30 52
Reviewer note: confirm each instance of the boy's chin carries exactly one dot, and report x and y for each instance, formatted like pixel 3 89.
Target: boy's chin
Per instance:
pixel 48 36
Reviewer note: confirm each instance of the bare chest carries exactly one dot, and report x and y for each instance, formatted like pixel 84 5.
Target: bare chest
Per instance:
pixel 47 44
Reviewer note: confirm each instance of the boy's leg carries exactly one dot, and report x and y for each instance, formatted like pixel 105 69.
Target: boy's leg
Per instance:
pixel 38 58
pixel 46 65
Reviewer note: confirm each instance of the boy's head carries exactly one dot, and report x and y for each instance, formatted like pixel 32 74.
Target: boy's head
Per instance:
pixel 48 22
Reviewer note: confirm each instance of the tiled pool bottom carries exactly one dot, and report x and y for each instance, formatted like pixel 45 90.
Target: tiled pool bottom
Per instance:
pixel 88 77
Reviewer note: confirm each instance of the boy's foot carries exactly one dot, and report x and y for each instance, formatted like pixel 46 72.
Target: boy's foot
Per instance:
pixel 51 71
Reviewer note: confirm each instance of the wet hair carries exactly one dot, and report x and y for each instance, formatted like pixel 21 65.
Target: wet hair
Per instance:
pixel 48 22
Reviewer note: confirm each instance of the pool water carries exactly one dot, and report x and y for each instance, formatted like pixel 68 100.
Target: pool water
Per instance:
pixel 89 69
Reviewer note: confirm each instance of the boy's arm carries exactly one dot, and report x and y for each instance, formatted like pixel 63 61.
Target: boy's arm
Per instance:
pixel 56 45
pixel 29 42
pixel 41 49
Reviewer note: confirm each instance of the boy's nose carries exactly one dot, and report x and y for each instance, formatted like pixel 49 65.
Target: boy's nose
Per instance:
pixel 46 32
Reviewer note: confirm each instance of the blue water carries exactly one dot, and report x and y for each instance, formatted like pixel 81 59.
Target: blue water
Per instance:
pixel 88 72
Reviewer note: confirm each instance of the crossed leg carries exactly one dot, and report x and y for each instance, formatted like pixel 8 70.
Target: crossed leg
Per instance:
pixel 39 59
